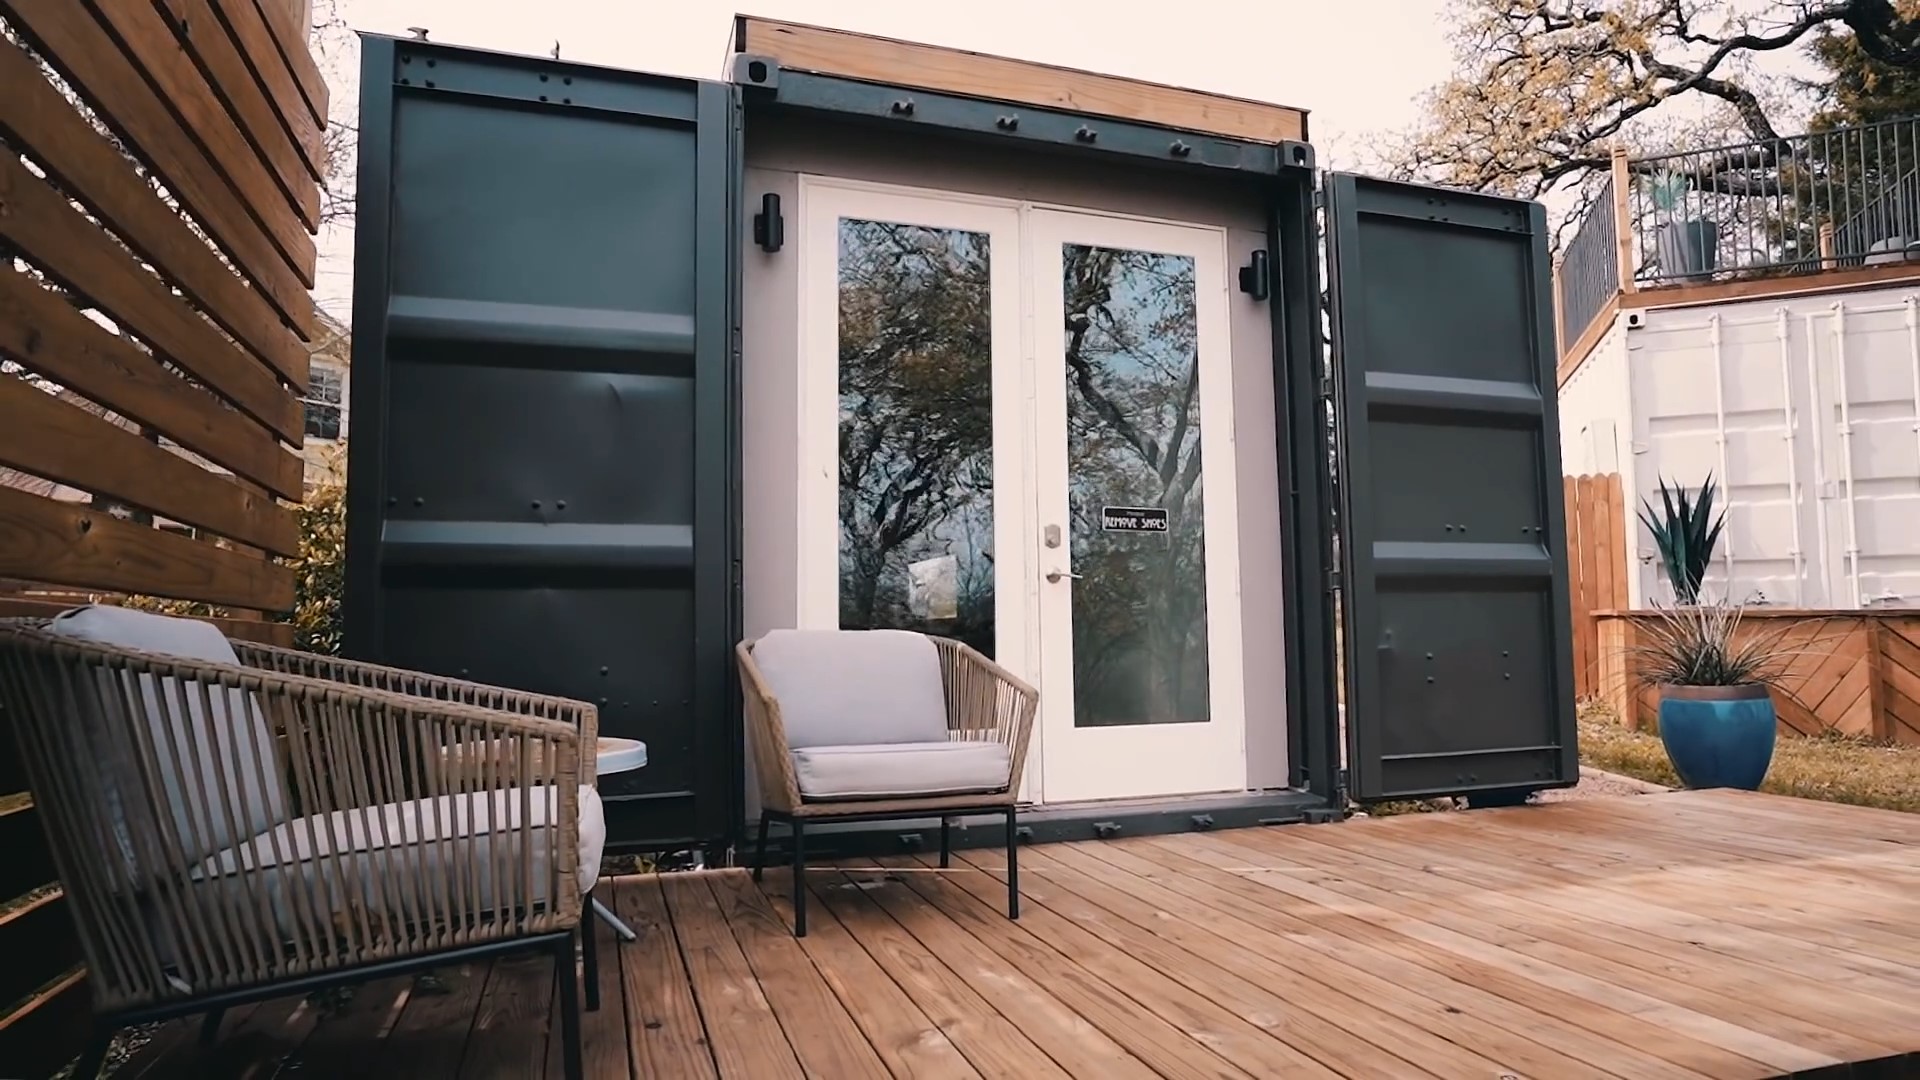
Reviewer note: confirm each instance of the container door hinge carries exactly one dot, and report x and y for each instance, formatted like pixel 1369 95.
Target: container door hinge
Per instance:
pixel 1333 580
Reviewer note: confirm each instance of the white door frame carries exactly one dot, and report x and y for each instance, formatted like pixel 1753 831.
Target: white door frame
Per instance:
pixel 1029 446
pixel 1147 759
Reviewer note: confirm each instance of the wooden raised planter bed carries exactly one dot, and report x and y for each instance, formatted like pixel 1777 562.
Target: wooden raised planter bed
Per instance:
pixel 1859 673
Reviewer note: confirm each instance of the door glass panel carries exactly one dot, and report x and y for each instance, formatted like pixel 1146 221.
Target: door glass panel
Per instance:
pixel 1134 488
pixel 916 431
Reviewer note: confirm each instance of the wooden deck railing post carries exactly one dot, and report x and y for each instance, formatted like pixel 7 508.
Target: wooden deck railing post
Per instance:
pixel 1623 214
pixel 1828 257
pixel 1559 307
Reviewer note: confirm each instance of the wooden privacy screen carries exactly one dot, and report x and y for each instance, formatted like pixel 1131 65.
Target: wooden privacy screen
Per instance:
pixel 1596 567
pixel 1853 672
pixel 159 194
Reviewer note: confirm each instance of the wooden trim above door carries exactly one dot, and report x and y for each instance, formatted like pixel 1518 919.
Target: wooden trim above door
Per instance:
pixel 873 59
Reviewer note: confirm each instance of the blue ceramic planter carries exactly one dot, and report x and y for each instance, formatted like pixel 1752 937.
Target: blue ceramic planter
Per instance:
pixel 1718 736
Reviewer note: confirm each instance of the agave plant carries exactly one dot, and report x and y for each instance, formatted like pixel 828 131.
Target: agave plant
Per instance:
pixel 1685 536
pixel 1704 645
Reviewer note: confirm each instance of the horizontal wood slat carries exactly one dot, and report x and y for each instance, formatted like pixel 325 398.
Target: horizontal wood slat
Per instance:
pixel 40 946
pixel 260 630
pixel 45 1032
pixel 1850 673
pixel 206 36
pixel 27 865
pixel 287 209
pixel 45 333
pixel 69 544
pixel 62 242
pixel 39 122
pixel 51 438
pixel 956 71
pixel 67 34
pixel 261 53
pixel 290 36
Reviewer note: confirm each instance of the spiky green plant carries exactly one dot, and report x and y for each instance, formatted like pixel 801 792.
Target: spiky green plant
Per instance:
pixel 1705 645
pixel 1685 536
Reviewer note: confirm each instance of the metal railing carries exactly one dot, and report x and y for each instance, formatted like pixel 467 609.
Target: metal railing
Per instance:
pixel 1589 273
pixel 1801 204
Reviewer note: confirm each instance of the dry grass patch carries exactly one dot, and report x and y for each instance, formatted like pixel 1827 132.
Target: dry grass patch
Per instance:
pixel 1833 768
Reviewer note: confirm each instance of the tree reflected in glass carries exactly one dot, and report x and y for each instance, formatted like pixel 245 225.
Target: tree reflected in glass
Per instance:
pixel 1133 440
pixel 916 431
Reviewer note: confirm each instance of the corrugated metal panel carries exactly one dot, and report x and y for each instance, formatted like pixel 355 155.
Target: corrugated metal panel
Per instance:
pixel 1459 651
pixel 1809 409
pixel 540 478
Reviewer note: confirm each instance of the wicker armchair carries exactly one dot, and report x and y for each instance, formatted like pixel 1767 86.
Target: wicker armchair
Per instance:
pixel 874 725
pixel 234 822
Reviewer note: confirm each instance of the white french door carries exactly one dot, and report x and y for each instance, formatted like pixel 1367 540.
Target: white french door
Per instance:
pixel 1005 412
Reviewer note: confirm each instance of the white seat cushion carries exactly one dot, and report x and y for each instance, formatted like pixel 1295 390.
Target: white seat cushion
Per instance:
pixel 854 687
pixel 212 761
pixel 901 770
pixel 363 860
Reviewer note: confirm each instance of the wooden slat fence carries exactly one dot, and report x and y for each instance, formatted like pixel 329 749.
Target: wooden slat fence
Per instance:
pixel 1852 673
pixel 1596 567
pixel 159 196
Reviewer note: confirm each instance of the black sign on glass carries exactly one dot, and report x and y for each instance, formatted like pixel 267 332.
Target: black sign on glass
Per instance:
pixel 1133 519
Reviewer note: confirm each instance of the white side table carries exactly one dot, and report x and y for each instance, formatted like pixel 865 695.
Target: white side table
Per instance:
pixel 613 755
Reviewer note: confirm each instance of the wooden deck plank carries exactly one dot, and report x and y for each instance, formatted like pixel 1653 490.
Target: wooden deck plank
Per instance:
pixel 1513 952
pixel 1367 955
pixel 1230 1035
pixel 1682 926
pixel 989 1040
pixel 666 1037
pixel 1343 1032
pixel 823 1036
pixel 907 1041
pixel 1666 937
pixel 1161 1046
pixel 730 999
pixel 1829 1019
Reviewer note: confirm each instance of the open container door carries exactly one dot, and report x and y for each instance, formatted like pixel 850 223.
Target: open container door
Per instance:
pixel 540 473
pixel 1456 621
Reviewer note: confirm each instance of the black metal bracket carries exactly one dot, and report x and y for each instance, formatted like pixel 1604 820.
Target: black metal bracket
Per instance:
pixel 1106 830
pixel 769 228
pixel 1256 278
pixel 1203 822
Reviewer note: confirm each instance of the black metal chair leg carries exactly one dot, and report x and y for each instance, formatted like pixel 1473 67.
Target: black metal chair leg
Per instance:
pixel 946 842
pixel 799 878
pixel 569 1009
pixel 210 1026
pixel 760 849
pixel 590 952
pixel 1013 866
pixel 94 1054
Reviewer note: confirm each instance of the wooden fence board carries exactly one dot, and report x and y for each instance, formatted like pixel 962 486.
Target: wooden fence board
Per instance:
pixel 88 167
pixel 286 209
pixel 262 54
pixel 69 544
pixel 291 38
pixel 68 36
pixel 42 946
pixel 262 631
pixel 28 865
pixel 48 437
pixel 61 241
pixel 45 333
pixel 195 25
pixel 1596 570
pixel 46 1031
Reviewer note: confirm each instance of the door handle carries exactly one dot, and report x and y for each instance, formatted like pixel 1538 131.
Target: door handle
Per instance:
pixel 1057 575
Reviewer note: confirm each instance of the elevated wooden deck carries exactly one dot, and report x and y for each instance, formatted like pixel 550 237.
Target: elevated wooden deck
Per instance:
pixel 1679 935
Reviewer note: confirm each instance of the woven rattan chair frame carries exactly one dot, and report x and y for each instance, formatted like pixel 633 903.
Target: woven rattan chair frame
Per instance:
pixel 167 933
pixel 985 703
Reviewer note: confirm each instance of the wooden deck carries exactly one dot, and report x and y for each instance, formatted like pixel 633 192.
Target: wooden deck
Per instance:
pixel 1678 935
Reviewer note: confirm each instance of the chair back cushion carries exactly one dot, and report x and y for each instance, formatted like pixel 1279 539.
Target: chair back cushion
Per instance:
pixel 214 771
pixel 854 687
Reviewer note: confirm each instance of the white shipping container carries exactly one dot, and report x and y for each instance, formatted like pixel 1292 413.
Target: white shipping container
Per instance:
pixel 1806 410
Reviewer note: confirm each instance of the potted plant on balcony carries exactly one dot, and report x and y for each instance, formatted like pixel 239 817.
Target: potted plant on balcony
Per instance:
pixel 1687 247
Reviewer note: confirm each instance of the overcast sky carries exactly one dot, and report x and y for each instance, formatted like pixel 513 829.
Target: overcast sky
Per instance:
pixel 1358 65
